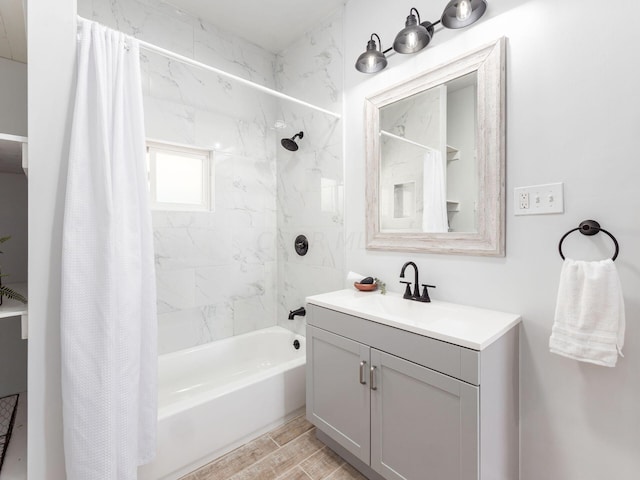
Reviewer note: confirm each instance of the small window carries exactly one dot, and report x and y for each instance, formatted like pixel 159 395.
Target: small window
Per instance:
pixel 179 177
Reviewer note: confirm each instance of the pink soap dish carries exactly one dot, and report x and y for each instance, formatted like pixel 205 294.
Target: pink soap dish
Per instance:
pixel 365 287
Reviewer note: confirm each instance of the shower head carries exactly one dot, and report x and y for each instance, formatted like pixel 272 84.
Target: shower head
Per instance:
pixel 290 143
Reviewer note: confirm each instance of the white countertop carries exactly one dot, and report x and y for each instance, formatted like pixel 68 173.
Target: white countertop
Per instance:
pixel 462 325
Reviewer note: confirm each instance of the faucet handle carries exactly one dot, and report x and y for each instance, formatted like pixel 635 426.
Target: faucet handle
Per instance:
pixel 407 291
pixel 425 294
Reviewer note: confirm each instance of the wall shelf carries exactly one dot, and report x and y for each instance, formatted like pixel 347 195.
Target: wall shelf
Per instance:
pixel 13 308
pixel 13 159
pixel 13 153
pixel 453 206
pixel 452 153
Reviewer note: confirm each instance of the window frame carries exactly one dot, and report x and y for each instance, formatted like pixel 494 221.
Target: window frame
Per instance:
pixel 206 155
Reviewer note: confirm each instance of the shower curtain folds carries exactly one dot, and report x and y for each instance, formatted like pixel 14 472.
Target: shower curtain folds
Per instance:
pixel 108 304
pixel 434 210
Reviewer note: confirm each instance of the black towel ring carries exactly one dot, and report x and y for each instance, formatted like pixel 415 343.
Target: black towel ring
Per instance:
pixel 590 227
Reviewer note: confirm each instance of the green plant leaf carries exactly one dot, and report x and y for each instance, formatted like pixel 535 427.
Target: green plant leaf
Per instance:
pixel 4 239
pixel 12 294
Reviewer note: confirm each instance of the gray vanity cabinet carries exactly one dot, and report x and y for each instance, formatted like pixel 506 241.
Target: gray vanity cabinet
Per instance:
pixel 402 406
pixel 400 418
pixel 339 402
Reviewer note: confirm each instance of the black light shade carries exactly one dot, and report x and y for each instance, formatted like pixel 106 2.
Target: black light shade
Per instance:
pixel 462 13
pixel 413 37
pixel 373 60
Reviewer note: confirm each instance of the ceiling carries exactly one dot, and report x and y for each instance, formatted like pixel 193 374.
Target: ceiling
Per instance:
pixel 13 36
pixel 271 24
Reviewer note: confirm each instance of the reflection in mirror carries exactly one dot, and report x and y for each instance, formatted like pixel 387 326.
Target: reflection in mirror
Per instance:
pixel 435 159
pixel 428 139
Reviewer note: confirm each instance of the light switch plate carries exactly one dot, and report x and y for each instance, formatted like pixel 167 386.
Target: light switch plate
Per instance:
pixel 538 199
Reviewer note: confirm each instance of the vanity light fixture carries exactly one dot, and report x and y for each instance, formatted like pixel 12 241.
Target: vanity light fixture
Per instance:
pixel 372 60
pixel 461 13
pixel 416 35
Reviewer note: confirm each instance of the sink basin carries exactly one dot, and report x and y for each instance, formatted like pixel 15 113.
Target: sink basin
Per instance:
pixel 470 327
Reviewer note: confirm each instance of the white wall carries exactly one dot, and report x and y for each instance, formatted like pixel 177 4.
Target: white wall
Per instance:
pixel 13 97
pixel 572 116
pixel 51 45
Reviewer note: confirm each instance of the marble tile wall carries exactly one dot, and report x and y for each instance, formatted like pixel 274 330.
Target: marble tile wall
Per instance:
pixel 311 68
pixel 168 27
pixel 310 181
pixel 219 273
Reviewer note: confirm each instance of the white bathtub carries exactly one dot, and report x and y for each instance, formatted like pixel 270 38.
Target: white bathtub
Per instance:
pixel 215 397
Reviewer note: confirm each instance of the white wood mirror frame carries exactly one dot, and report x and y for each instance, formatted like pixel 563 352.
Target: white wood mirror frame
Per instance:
pixel 488 239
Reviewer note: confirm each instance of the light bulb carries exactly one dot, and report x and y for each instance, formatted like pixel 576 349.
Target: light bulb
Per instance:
pixel 463 11
pixel 371 61
pixel 412 40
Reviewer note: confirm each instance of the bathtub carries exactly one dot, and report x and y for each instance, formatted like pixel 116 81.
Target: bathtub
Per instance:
pixel 216 397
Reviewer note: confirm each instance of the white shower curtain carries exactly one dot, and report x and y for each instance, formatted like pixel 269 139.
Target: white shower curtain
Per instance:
pixel 108 316
pixel 434 213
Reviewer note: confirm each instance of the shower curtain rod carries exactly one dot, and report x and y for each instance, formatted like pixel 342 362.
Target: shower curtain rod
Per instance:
pixel 403 139
pixel 194 63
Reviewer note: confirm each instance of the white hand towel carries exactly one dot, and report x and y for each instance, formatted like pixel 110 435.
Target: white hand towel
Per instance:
pixel 589 321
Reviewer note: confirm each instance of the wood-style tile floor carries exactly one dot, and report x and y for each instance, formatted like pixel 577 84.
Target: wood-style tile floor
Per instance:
pixel 290 452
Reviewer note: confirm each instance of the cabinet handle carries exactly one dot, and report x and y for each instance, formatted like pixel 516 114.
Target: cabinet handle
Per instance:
pixel 363 381
pixel 372 378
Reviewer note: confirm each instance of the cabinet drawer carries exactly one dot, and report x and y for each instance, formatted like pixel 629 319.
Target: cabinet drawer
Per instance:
pixel 452 360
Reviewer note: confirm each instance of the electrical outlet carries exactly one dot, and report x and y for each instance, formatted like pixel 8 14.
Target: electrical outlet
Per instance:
pixel 538 199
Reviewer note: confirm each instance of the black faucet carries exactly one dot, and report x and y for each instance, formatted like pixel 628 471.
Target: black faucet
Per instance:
pixel 416 291
pixel 300 311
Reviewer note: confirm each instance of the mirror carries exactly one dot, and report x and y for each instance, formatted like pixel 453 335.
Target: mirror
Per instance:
pixel 435 159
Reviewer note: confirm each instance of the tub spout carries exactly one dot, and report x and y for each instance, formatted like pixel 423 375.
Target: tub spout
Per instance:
pixel 300 312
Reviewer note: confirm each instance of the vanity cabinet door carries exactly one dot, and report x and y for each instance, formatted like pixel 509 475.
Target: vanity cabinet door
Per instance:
pixel 338 397
pixel 424 425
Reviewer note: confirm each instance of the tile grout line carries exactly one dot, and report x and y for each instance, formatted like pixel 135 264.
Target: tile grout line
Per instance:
pixel 314 453
pixel 294 438
pixel 284 474
pixel 278 446
pixel 305 472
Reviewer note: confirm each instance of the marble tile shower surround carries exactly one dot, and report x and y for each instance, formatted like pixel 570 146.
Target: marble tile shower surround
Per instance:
pixel 162 24
pixel 311 68
pixel 310 192
pixel 233 270
pixel 310 198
